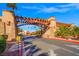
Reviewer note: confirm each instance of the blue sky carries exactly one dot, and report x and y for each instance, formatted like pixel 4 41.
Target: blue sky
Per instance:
pixel 63 12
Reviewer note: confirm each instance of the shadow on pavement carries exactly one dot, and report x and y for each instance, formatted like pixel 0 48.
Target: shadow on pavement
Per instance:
pixel 44 54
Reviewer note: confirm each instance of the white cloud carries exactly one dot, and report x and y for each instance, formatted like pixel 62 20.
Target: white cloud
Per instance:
pixel 51 9
pixel 30 7
pixel 47 9
pixel 33 7
pixel 75 5
pixel 67 5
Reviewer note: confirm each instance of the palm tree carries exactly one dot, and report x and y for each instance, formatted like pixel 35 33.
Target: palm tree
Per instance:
pixel 12 5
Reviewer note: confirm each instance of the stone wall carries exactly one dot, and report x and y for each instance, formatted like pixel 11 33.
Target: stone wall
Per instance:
pixel 50 32
pixel 2 30
pixel 10 28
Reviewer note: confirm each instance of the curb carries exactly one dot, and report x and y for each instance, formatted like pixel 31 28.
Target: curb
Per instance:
pixel 66 40
pixel 73 41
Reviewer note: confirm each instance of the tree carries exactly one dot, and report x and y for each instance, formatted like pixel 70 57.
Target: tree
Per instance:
pixel 12 5
pixel 67 32
pixel 76 29
pixel 72 30
pixel 62 32
pixel 2 44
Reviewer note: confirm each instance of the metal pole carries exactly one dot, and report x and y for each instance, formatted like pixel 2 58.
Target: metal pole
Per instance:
pixel 20 54
pixel 19 46
pixel 19 49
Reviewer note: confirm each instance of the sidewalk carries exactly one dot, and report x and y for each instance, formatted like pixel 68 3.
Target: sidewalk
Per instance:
pixel 9 53
pixel 66 40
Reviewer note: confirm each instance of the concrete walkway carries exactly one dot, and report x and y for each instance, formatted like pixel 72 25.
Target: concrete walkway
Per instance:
pixel 8 52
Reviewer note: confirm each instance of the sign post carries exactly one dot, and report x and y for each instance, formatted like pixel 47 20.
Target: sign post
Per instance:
pixel 18 41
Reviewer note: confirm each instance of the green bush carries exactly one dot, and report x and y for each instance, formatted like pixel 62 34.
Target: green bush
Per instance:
pixel 2 44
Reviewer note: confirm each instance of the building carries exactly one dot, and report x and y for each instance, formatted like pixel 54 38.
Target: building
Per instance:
pixel 2 27
pixel 7 25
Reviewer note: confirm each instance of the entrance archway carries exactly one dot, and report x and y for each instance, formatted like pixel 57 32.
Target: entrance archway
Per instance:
pixel 10 23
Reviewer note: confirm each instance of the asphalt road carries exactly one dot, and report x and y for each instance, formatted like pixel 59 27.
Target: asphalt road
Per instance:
pixel 52 47
pixel 57 47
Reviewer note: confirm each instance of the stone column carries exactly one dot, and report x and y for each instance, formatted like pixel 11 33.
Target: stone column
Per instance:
pixel 8 19
pixel 50 32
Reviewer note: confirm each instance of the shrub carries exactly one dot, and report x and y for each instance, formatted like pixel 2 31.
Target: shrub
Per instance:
pixel 2 44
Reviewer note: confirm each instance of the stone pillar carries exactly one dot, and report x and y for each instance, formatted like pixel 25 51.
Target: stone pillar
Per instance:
pixel 8 19
pixel 50 32
pixel 2 29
